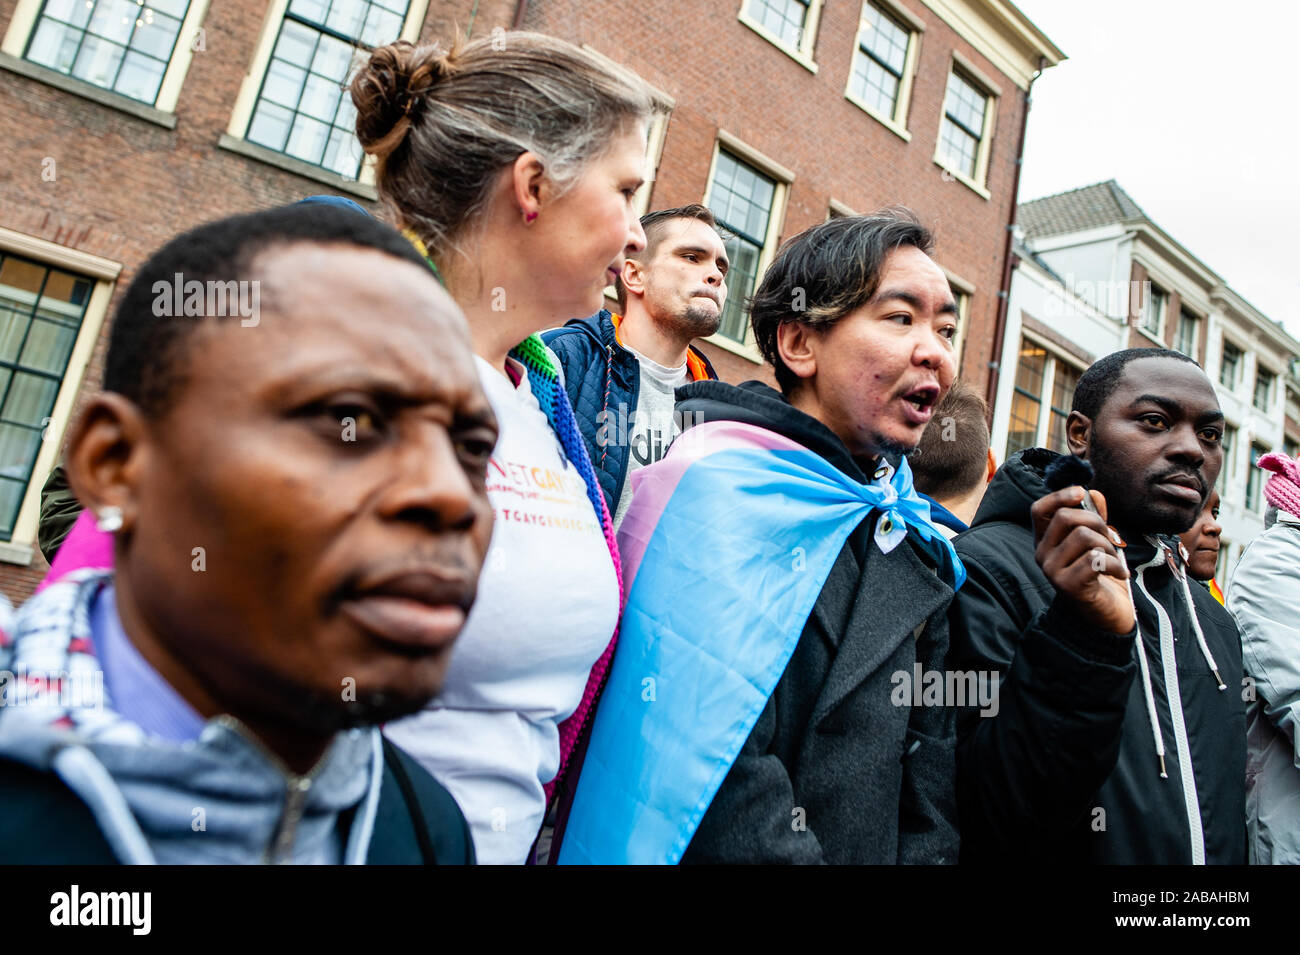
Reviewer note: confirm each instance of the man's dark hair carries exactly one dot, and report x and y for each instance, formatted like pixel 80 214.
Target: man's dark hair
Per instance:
pixel 829 270
pixel 952 458
pixel 1099 381
pixel 653 223
pixel 146 353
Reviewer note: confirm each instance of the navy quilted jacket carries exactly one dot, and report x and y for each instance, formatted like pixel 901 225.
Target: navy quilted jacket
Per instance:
pixel 603 381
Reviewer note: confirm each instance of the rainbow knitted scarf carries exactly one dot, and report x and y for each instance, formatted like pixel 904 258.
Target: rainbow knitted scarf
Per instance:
pixel 544 380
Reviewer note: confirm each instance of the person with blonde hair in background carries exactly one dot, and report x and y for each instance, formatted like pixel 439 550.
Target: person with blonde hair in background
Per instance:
pixel 512 162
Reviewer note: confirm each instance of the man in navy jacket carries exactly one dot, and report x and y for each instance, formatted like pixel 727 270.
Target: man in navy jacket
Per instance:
pixel 621 371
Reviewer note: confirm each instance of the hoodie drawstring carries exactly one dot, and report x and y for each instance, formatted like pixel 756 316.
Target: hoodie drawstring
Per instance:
pixel 1162 554
pixel 1200 634
pixel 1146 681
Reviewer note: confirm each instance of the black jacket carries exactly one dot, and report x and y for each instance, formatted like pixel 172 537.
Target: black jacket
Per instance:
pixel 834 771
pixel 1067 771
pixel 43 822
pixel 603 380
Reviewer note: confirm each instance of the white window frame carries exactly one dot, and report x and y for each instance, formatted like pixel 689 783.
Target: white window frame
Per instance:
pixel 973 75
pixel 1196 336
pixel 23 23
pixel 241 114
pixel 801 54
pixel 964 292
pixel 776 221
pixel 1272 387
pixel 1054 355
pixel 21 546
pixel 1240 375
pixel 897 123
pixel 1152 289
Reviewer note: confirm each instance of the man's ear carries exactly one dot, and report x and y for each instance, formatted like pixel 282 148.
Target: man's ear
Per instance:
pixel 1078 433
pixel 105 454
pixel 633 276
pixel 796 343
pixel 992 467
pixel 529 186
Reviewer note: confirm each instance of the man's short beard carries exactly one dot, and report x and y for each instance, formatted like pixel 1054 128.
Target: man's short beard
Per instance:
pixel 700 321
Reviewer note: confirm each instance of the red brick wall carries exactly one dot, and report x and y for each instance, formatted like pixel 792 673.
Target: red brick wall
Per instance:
pixel 722 75
pixel 124 186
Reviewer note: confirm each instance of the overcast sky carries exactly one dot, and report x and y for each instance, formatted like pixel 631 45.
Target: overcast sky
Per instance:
pixel 1194 108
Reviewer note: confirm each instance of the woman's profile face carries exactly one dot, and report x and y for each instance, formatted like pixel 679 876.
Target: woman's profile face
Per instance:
pixel 582 237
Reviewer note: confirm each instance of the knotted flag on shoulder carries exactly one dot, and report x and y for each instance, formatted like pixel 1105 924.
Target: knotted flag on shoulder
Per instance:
pixel 727 545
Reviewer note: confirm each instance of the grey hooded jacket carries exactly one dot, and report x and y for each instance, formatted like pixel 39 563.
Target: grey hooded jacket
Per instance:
pixel 1264 596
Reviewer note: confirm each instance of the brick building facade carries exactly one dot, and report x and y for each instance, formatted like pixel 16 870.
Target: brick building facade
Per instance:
pixel 126 122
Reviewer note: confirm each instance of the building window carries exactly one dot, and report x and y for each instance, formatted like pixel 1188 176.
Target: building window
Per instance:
pixel 1229 365
pixel 1187 333
pixel 303 108
pixel 961 134
pixel 742 198
pixel 1153 311
pixel 1254 479
pixel 791 25
pixel 1264 388
pixel 784 19
pixel 881 79
pixel 118 45
pixel 1290 447
pixel 1037 421
pixel 1229 469
pixel 41 312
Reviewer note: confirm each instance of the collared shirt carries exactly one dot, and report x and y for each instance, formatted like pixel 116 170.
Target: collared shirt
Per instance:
pixel 136 690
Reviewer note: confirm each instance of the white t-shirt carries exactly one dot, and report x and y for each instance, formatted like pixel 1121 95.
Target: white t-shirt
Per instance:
pixel 546 609
pixel 653 425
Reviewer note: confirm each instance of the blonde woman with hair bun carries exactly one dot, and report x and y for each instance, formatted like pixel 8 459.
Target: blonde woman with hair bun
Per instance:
pixel 512 162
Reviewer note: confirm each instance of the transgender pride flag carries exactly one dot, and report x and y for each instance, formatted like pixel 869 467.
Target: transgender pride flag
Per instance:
pixel 726 546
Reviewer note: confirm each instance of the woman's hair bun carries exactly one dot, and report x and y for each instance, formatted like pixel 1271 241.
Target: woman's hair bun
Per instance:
pixel 390 90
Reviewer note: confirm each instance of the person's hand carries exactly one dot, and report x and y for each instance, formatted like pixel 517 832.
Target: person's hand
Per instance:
pixel 1075 551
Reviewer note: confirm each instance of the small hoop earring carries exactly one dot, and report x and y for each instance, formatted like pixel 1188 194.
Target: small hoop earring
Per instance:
pixel 109 520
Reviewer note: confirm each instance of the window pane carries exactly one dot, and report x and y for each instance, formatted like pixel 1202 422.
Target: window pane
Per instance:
pixel 785 18
pixel 75 12
pixel 11 498
pixel 1029 370
pixel 140 77
pixel 874 85
pixel 965 105
pixel 296 44
pixel 114 19
pixel 173 8
pixel 314 10
pixel 30 399
pixel 54 45
pixel 283 83
pixel 381 27
pixel 1023 430
pixel 884 38
pixel 156 35
pixel 741 280
pixel 959 147
pixel 333 59
pixel 320 97
pixel 343 154
pixel 307 139
pixel 48 346
pixel 270 125
pixel 347 16
pixel 742 198
pixel 98 61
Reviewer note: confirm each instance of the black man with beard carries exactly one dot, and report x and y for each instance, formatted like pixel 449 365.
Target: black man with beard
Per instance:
pixel 1116 741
